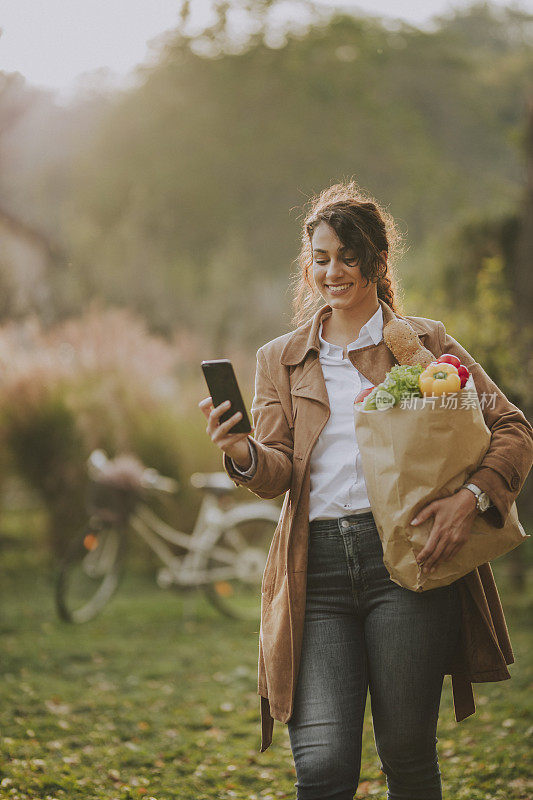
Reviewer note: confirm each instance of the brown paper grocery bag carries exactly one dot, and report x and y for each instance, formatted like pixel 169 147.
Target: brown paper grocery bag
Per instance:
pixel 418 453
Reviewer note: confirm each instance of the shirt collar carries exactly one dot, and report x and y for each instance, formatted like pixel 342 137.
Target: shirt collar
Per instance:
pixel 374 326
pixel 305 338
pixel 371 333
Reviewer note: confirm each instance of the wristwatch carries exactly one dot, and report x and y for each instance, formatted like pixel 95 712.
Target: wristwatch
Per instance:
pixel 482 498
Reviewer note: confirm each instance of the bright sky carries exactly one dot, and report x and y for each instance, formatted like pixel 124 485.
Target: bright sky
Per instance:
pixel 57 42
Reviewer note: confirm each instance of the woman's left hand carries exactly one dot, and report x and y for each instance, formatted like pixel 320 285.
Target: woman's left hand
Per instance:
pixel 453 518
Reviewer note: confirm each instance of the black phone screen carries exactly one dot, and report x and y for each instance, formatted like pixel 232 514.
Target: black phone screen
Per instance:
pixel 222 384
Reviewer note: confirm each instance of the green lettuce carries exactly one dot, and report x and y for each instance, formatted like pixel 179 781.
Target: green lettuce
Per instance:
pixel 400 381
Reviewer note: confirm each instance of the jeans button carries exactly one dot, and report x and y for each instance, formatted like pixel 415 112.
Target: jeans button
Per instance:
pixel 345 523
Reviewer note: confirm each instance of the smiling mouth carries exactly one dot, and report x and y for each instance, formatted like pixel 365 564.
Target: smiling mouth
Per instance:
pixel 336 289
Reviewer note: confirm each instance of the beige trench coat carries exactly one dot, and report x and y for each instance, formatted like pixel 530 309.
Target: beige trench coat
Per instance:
pixel 289 410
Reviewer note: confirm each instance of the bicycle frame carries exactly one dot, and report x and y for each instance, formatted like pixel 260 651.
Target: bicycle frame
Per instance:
pixel 211 523
pixel 225 554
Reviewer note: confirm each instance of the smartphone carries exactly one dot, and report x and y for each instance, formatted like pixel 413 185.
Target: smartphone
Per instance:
pixel 223 385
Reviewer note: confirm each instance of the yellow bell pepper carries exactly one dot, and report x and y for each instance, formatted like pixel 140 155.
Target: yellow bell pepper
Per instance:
pixel 439 378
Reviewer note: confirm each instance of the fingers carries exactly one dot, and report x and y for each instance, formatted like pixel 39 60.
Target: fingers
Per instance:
pixel 426 512
pixel 432 546
pixel 436 544
pixel 214 416
pixel 210 412
pixel 431 561
pixel 448 534
pixel 432 541
pixel 440 548
pixel 221 431
pixel 206 405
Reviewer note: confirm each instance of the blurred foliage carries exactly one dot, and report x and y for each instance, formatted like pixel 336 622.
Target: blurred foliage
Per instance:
pixel 483 322
pixel 98 381
pixel 40 433
pixel 180 197
pixel 484 296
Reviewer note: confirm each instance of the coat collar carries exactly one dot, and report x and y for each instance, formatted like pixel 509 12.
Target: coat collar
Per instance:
pixel 305 338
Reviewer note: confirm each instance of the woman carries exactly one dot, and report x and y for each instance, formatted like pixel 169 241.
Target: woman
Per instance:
pixel 333 624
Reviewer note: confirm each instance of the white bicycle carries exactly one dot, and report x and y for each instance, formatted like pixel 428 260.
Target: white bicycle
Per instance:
pixel 225 554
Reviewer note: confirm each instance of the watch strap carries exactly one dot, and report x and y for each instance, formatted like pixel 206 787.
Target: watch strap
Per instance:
pixel 479 493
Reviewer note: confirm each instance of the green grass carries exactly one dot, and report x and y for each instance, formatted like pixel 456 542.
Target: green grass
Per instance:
pixel 156 698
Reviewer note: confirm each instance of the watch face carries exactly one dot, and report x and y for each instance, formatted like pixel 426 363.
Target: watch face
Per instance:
pixel 483 501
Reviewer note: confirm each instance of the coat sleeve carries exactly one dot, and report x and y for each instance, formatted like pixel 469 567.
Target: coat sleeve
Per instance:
pixel 272 440
pixel 508 460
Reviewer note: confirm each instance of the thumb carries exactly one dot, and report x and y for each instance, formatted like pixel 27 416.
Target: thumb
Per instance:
pixel 424 513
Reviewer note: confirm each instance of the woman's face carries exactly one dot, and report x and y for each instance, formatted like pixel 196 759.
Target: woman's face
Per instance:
pixel 335 271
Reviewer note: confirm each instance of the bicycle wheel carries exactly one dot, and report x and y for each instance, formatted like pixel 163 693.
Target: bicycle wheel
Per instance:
pixel 90 571
pixel 236 565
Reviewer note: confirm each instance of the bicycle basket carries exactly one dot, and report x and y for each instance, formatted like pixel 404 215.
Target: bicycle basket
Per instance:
pixel 106 499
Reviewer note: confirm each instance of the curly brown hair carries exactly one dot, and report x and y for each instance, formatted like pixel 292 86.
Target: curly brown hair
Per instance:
pixel 362 225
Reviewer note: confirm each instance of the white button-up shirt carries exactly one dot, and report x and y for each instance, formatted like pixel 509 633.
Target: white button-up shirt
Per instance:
pixel 337 482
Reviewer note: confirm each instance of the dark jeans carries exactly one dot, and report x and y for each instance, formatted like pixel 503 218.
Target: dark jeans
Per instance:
pixel 362 631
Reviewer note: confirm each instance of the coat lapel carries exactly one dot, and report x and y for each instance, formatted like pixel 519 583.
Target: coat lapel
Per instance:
pixel 373 361
pixel 310 382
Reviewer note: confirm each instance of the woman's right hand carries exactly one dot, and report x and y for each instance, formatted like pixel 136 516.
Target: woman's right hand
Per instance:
pixel 235 445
